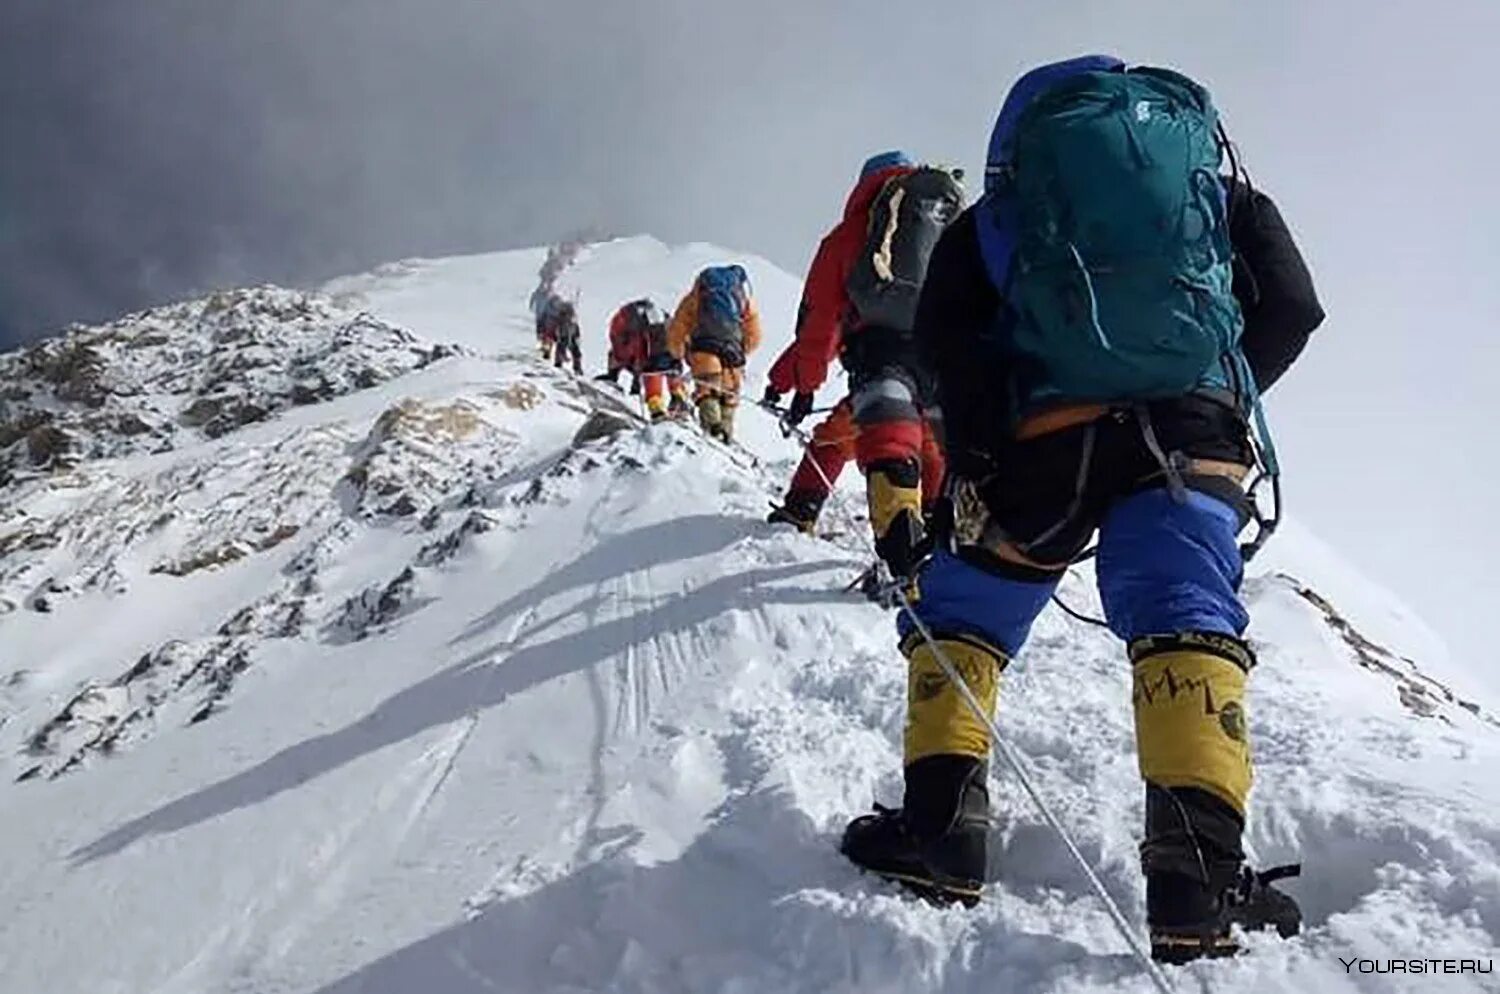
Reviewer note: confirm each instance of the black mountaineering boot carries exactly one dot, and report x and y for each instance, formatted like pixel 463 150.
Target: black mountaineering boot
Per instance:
pixel 895 498
pixel 1197 886
pixel 800 508
pixel 936 845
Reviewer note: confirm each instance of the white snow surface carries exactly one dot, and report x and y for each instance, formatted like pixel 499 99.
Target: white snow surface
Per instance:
pixel 402 691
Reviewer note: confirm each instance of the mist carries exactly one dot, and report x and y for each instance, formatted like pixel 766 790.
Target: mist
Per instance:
pixel 159 148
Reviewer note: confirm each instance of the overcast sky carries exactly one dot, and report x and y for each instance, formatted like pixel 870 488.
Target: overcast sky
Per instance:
pixel 154 148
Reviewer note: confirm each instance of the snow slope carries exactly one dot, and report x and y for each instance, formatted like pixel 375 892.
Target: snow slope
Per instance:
pixel 495 711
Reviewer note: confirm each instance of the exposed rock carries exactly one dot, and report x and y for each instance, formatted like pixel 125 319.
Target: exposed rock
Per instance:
pixel 368 611
pixel 48 445
pixel 445 548
pixel 26 539
pixel 521 396
pixel 226 553
pixel 421 457
pixel 152 381
pixel 129 424
pixel 200 412
pixel 601 424
pixel 1419 693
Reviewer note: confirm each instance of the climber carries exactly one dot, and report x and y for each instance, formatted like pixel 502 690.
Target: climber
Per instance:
pixel 638 345
pixel 566 336
pixel 1098 376
pixel 627 343
pixel 544 307
pixel 716 328
pixel 858 303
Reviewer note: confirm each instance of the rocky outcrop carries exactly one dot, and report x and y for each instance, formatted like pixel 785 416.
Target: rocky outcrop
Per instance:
pixel 202 369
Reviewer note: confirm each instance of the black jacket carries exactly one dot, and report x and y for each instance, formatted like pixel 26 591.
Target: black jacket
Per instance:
pixel 1273 285
pixel 960 303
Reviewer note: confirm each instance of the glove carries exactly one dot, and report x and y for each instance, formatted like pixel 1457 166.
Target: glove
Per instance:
pixel 801 407
pixel 612 376
pixel 772 397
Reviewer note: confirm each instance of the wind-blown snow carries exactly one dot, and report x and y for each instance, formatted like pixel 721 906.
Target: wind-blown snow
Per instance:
pixel 404 691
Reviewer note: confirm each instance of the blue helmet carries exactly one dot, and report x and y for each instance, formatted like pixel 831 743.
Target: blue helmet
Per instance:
pixel 885 160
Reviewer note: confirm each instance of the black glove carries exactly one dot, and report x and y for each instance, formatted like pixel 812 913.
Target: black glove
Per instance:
pixel 612 376
pixel 801 407
pixel 772 397
pixel 904 545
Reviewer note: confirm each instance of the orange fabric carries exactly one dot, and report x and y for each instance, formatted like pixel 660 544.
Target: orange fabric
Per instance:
pixel 828 452
pixel 837 430
pixel 711 376
pixel 750 326
pixel 833 446
pixel 685 321
pixel 1058 418
pixel 654 390
pixel 660 388
pixel 705 365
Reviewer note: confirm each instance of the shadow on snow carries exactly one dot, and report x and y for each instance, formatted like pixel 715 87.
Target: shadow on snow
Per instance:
pixel 487 676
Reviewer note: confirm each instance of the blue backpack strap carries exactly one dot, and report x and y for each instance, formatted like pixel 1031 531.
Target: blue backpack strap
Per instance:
pixel 1265 451
pixel 1265 445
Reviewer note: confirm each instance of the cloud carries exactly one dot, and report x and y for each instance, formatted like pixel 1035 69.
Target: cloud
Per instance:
pixel 161 147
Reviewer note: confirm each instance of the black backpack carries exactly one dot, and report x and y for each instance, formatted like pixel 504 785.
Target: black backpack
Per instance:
pixel 565 323
pixel 907 217
pixel 644 318
pixel 640 315
pixel 656 338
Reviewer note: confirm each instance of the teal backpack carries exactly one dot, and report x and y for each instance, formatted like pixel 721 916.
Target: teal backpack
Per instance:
pixel 1120 270
pixel 1105 226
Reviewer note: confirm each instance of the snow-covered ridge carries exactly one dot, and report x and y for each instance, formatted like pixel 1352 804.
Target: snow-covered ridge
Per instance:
pixel 309 492
pixel 197 369
pixel 423 687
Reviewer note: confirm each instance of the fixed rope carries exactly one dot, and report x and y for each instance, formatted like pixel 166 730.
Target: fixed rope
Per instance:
pixel 1011 756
